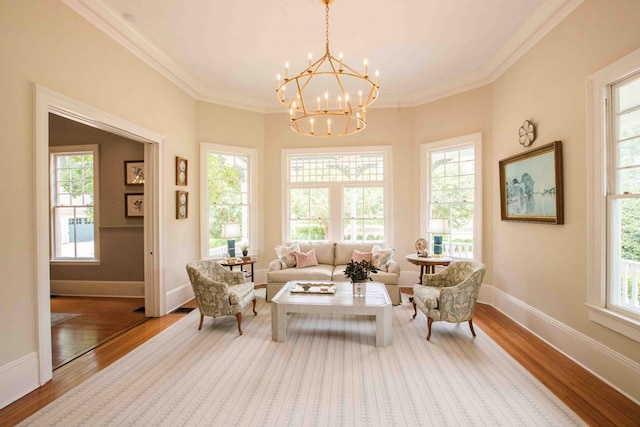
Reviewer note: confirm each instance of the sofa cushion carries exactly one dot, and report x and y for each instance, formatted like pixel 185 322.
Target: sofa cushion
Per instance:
pixel 381 257
pixel 427 295
pixel 358 256
pixel 345 250
pixel 324 251
pixel 317 272
pixel 307 259
pixel 286 254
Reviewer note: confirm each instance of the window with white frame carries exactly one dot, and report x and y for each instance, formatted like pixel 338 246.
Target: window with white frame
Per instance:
pixel 74 191
pixel 614 197
pixel 452 194
pixel 228 177
pixel 337 194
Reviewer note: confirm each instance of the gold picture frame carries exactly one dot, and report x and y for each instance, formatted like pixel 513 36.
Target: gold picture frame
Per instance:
pixel 531 186
pixel 182 204
pixel 134 172
pixel 182 171
pixel 134 205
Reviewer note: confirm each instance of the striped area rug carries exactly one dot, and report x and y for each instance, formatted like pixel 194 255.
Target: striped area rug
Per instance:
pixel 329 372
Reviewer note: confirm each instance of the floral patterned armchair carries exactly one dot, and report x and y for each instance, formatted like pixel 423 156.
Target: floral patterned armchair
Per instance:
pixel 449 295
pixel 220 292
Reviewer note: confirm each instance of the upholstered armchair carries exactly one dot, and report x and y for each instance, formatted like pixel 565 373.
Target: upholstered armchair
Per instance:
pixel 449 295
pixel 220 292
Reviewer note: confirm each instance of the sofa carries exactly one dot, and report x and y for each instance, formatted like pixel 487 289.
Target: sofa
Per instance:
pixel 332 259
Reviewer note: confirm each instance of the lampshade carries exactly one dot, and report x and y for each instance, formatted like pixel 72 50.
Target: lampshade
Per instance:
pixel 230 230
pixel 438 226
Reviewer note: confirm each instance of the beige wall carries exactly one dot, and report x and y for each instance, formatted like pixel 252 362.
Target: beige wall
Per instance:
pixel 44 42
pixel 545 265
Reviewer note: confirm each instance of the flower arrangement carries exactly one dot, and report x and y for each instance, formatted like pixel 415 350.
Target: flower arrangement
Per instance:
pixel 359 270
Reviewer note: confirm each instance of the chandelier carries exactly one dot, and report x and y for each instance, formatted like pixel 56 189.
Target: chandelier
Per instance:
pixel 328 98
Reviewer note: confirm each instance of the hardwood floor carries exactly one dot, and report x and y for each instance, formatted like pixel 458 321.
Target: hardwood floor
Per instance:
pixel 594 401
pixel 99 320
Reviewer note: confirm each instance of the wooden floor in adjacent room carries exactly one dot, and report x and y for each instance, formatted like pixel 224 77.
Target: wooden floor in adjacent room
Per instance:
pixel 597 403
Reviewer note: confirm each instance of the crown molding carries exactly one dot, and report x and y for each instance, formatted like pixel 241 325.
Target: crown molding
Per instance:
pixel 548 15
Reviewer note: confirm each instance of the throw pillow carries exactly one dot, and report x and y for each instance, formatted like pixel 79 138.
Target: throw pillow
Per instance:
pixel 358 256
pixel 306 259
pixel 381 257
pixel 286 254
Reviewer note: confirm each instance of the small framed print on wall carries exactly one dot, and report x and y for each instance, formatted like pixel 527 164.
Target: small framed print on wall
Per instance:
pixel 134 205
pixel 181 171
pixel 182 204
pixel 134 172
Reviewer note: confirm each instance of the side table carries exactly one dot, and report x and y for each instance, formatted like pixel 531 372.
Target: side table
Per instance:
pixel 242 262
pixel 427 264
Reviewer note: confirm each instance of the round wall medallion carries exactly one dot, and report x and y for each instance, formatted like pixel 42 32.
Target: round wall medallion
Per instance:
pixel 527 133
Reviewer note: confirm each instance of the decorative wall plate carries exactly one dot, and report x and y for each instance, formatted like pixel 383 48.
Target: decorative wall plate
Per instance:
pixel 421 247
pixel 182 204
pixel 527 133
pixel 181 171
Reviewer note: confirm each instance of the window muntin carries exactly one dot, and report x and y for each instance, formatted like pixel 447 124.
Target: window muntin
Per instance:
pixel 337 194
pixel 623 200
pixel 452 189
pixel 228 179
pixel 73 195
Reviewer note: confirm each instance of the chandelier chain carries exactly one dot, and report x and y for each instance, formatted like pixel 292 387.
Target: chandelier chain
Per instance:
pixel 327 27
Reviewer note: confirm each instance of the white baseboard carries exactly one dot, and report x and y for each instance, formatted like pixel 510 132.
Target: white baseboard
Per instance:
pixel 178 296
pixel 18 378
pixel 617 370
pixel 97 288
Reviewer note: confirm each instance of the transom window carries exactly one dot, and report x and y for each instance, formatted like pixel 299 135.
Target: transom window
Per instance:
pixel 337 194
pixel 229 179
pixel 452 194
pixel 73 207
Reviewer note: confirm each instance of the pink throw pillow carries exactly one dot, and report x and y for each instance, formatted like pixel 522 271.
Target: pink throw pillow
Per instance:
pixel 358 256
pixel 306 260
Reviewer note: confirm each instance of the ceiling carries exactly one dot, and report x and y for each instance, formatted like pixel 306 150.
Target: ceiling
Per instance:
pixel 229 52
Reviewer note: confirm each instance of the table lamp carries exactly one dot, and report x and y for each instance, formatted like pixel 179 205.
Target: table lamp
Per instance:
pixel 438 227
pixel 231 230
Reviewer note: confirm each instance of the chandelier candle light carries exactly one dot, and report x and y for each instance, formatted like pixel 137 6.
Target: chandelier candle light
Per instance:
pixel 321 100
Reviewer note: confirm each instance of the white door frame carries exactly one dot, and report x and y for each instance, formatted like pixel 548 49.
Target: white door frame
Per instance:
pixel 48 101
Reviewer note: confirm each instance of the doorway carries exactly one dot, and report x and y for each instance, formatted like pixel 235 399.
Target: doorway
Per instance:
pixel 48 101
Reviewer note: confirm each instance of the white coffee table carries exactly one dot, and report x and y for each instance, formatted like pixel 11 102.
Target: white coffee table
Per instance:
pixel 376 303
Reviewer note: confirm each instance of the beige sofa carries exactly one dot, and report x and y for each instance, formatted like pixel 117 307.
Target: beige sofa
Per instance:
pixel 332 259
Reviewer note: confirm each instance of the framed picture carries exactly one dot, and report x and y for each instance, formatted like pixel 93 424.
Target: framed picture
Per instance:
pixel 531 187
pixel 182 204
pixel 134 205
pixel 134 172
pixel 181 171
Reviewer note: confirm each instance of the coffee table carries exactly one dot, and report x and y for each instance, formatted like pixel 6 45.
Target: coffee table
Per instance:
pixel 376 303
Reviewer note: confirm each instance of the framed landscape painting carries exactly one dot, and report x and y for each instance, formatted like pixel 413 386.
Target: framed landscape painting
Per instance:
pixel 531 187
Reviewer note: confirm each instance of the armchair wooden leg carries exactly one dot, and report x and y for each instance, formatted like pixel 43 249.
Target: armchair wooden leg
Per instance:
pixel 471 326
pixel 255 313
pixel 429 322
pixel 415 310
pixel 239 317
pixel 201 319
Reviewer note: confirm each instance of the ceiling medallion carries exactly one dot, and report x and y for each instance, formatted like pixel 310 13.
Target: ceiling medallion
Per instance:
pixel 328 97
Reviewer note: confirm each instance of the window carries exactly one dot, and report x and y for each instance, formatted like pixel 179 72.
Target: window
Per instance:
pixel 452 191
pixel 337 194
pixel 613 239
pixel 74 223
pixel 230 197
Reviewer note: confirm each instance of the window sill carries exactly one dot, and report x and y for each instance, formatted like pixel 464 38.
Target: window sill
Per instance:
pixel 74 262
pixel 615 321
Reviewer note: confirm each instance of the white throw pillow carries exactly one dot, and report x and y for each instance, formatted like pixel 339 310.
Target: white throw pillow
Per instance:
pixel 381 257
pixel 286 254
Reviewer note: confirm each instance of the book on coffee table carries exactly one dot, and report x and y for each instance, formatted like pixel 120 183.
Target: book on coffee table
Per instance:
pixel 313 288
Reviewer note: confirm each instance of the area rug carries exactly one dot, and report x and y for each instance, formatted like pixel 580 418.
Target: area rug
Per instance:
pixel 57 318
pixel 328 372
